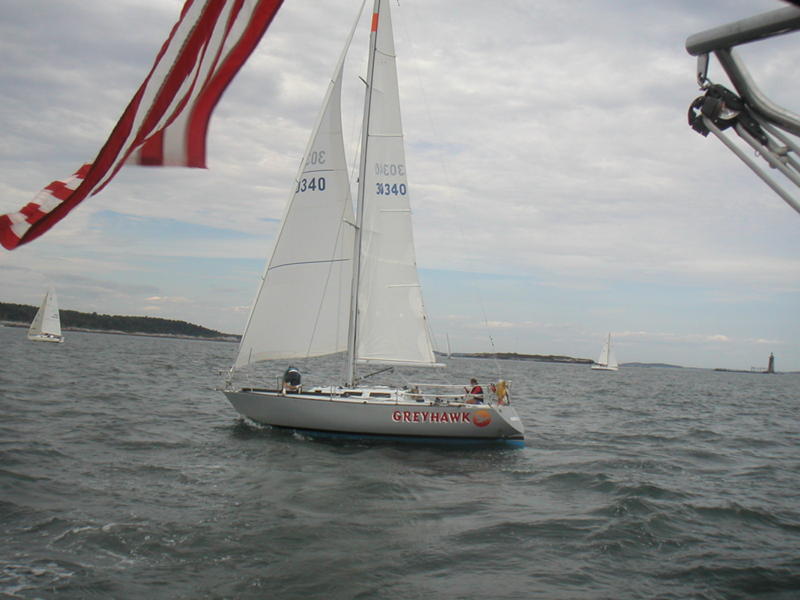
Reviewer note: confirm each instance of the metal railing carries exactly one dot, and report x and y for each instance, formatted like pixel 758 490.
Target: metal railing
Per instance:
pixel 762 124
pixel 457 394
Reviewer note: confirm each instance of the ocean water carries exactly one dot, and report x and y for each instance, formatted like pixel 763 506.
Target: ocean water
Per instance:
pixel 125 474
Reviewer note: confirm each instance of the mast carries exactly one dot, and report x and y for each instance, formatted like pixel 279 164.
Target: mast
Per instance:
pixel 352 339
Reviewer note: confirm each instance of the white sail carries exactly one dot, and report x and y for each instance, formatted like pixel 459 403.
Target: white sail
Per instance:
pixel 603 358
pixel 607 360
pixel 302 306
pixel 47 322
pixel 612 360
pixel 392 325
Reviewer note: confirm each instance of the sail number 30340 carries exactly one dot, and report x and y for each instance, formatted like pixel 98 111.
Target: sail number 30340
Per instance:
pixel 390 170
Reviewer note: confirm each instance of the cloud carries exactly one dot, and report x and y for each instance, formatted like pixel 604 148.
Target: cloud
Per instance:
pixel 498 324
pixel 550 164
pixel 169 300
pixel 674 338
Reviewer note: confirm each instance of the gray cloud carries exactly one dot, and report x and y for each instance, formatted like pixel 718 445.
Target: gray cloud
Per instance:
pixel 546 141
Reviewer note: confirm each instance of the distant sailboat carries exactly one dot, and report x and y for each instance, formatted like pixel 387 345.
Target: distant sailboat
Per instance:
pixel 46 325
pixel 607 361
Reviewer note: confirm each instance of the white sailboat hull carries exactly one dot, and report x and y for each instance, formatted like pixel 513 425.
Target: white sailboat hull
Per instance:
pixel 604 368
pixel 46 337
pixel 393 417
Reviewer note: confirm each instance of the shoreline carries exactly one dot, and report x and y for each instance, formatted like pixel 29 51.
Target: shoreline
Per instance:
pixel 548 358
pixel 543 358
pixel 173 336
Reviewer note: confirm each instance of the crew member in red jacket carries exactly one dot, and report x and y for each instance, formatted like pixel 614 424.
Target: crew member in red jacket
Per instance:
pixel 474 392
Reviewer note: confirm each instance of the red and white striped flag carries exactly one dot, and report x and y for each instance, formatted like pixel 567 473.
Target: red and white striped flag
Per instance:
pixel 167 119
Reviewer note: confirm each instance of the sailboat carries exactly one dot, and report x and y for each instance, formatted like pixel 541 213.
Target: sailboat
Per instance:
pixel 46 325
pixel 607 361
pixel 345 281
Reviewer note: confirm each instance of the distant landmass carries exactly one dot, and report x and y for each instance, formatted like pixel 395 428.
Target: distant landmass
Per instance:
pixel 658 365
pixel 554 358
pixel 532 357
pixel 21 315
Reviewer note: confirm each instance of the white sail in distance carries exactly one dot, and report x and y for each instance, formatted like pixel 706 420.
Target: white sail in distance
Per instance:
pixel 607 357
pixel 47 321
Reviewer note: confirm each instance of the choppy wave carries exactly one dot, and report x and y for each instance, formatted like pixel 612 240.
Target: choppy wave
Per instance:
pixel 125 475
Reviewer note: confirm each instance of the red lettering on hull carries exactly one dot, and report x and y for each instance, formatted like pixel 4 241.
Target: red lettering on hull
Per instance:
pixel 480 418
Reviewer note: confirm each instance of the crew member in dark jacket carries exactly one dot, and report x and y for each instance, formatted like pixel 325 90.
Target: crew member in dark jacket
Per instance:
pixel 292 380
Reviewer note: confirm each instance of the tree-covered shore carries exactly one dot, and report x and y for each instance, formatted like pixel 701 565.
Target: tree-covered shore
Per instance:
pixel 73 320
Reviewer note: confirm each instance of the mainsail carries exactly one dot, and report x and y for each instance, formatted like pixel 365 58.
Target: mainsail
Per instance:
pixel 392 326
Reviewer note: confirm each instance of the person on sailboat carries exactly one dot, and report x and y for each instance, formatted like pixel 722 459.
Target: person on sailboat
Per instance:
pixel 500 391
pixel 474 393
pixel 292 380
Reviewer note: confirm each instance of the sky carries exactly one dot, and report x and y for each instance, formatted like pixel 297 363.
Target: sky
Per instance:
pixel 558 192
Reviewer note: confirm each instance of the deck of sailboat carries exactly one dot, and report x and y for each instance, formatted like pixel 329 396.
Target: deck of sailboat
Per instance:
pixel 381 395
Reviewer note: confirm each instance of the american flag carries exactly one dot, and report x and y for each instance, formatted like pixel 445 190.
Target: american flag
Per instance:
pixel 167 120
